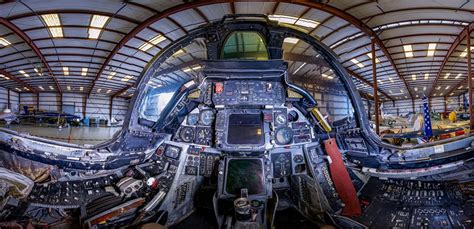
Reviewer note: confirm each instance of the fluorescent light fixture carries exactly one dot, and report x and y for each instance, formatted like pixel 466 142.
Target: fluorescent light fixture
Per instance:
pixel 54 24
pixel 408 50
pixel 154 41
pixel 98 21
pixel 68 88
pixel 416 89
pixel 299 68
pixel 18 89
pixel 390 91
pixel 458 75
pixel 376 59
pixel 24 73
pixel 111 75
pixel 26 89
pixel 291 40
pixel 51 87
pixel 195 68
pixel 413 77
pixel 126 78
pixel 99 90
pixel 66 71
pixel 81 88
pixel 441 94
pixel 356 62
pixel 452 93
pixel 391 80
pixel 84 72
pixel 447 75
pixel 439 87
pixel 4 42
pixel 460 87
pixel 424 88
pixel 186 69
pixel 3 76
pixel 380 81
pixel 108 91
pixel 446 88
pixel 427 75
pixel 434 94
pixel 41 88
pixel 431 49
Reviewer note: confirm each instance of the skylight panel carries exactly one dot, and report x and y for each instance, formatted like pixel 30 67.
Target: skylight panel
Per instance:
pixel 84 72
pixel 356 62
pixel 294 20
pixel 54 24
pixel 66 71
pixel 154 41
pixel 178 53
pixel 408 50
pixel 376 59
pixel 431 49
pixel 111 75
pixel 97 23
pixel 464 53
pixel 4 42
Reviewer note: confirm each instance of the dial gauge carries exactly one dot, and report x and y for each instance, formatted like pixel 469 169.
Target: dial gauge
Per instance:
pixel 187 134
pixel 206 117
pixel 280 119
pixel 192 119
pixel 283 136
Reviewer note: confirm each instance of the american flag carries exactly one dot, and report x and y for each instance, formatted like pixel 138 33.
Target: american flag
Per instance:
pixel 427 130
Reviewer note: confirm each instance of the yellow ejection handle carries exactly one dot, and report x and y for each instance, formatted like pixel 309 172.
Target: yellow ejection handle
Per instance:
pixel 321 119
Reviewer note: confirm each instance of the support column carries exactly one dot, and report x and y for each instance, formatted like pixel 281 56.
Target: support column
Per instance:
pixel 375 86
pixel 413 105
pixel 445 104
pixel 60 102
pixel 84 106
pixel 111 104
pixel 37 101
pixel 368 109
pixel 469 79
pixel 8 99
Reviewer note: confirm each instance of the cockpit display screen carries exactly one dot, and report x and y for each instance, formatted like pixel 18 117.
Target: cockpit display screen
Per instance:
pixel 245 129
pixel 245 174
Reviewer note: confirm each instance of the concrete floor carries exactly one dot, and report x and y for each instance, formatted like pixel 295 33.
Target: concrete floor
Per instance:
pixel 75 135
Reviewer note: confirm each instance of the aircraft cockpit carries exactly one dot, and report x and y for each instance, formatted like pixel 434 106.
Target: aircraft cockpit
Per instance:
pixel 249 134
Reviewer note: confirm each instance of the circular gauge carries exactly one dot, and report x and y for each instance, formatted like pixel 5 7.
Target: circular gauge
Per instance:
pixel 206 117
pixel 192 119
pixel 283 136
pixel 280 119
pixel 298 158
pixel 187 134
pixel 203 136
pixel 293 116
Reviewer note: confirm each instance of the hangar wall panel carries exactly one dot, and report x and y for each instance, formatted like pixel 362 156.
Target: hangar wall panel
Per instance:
pixel 97 107
pixel 403 107
pixel 14 106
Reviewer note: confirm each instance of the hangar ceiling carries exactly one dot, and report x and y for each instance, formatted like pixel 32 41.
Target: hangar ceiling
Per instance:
pixel 102 47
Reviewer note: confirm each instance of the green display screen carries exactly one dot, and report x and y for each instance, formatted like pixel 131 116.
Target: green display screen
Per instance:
pixel 245 173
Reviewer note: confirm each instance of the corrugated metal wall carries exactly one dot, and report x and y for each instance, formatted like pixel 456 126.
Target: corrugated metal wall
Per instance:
pixel 405 106
pixel 97 107
pixel 14 106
